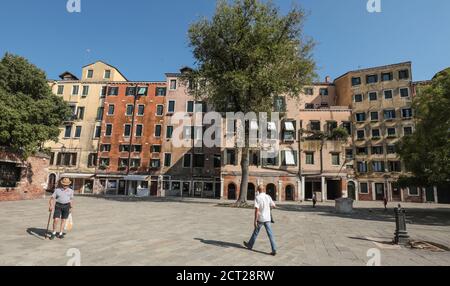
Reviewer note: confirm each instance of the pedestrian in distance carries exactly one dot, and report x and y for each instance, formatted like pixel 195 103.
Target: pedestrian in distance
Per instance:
pixel 61 203
pixel 314 200
pixel 263 217
pixel 385 201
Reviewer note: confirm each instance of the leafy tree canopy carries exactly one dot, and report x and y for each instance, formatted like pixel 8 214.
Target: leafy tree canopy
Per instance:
pixel 30 113
pixel 426 153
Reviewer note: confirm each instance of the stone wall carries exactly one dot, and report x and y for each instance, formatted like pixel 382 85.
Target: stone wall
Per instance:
pixel 33 177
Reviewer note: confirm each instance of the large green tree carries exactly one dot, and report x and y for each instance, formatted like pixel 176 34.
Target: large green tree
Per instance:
pixel 426 152
pixel 248 54
pixel 30 114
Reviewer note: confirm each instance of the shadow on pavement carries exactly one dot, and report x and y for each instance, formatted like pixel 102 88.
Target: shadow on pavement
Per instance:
pixel 227 245
pixel 37 232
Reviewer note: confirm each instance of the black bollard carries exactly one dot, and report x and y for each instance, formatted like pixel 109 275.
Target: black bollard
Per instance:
pixel 401 234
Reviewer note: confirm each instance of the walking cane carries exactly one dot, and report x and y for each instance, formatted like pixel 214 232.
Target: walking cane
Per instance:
pixel 48 223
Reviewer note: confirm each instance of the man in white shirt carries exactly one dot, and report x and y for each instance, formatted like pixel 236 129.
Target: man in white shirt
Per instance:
pixel 263 205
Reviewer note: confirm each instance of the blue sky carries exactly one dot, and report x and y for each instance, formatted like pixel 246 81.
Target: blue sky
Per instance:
pixel 146 38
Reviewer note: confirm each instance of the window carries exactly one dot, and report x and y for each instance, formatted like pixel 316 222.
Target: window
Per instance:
pixel 104 162
pixel 358 98
pixel 141 109
pixel 80 112
pixel 289 131
pixel 360 134
pixel 100 113
pixel 78 132
pixel 135 163
pixel 127 130
pixel 92 160
pixel 103 92
pixel 108 130
pixel 85 90
pixel 169 132
pixel 360 117
pixel 395 166
pixel 156 149
pixel 68 131
pixel 324 91
pixel 111 109
pixel 391 132
pixel 314 125
pixel 388 94
pixel 187 160
pixel 389 114
pixel 123 163
pixel 173 84
pixel 188 132
pixel 90 73
pixel 124 148
pixel 309 106
pixel 376 133
pixel 167 160
pixel 391 149
pixel 60 90
pixel 139 130
pixel 130 91
pixel 97 133
pixel 280 104
pixel 199 161
pixel 309 91
pixel 403 74
pixel 377 150
pixel 372 79
pixel 404 92
pixel 373 96
pixel 413 191
pixel 217 160
pixel 309 158
pixel 107 74
pixel 190 107
pixel 66 159
pixel 347 126
pixel 288 158
pixel 105 148
pixel 271 161
pixel 130 109
pixel 171 106
pixel 388 76
pixel 362 167
pixel 75 89
pixel 158 131
pixel 160 110
pixel 113 91
pixel 407 131
pixel 363 188
pixel 161 91
pixel 362 151
pixel 407 113
pixel 356 81
pixel 155 163
pixel 374 116
pixel 136 148
pixel 336 159
pixel 230 157
pixel 142 91
pixel 349 154
pixel 378 166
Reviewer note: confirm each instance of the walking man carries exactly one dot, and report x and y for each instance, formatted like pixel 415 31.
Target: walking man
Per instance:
pixel 263 205
pixel 62 203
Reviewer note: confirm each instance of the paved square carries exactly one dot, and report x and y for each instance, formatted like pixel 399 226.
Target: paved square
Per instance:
pixel 200 233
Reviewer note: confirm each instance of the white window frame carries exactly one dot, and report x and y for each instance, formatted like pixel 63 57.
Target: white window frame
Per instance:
pixel 137 113
pixel 87 73
pixel 339 158
pixel 161 133
pixel 106 128
pixel 403 88
pixel 384 94
pixel 104 74
pixel 164 156
pixel 174 106
pixel 73 89
pixel 360 189
pixel 368 96
pixel 162 113
pixel 170 84
pixel 124 128
pixel 406 108
pixel 413 195
pixel 111 114
pixel 184 165
pixel 142 132
pixel 126 110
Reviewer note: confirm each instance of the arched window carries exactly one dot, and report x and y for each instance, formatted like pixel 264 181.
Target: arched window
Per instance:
pixel 271 190
pixel 231 191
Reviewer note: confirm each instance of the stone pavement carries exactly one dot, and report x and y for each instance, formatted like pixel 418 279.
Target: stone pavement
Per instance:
pixel 200 233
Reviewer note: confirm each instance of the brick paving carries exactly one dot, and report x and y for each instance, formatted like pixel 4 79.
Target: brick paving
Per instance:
pixel 200 233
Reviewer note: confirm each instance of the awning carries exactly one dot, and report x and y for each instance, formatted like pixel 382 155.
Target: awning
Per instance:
pixel 136 178
pixel 290 159
pixel 272 126
pixel 77 176
pixel 254 125
pixel 289 126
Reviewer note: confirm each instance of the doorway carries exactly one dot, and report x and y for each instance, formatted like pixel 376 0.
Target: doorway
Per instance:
pixel 251 192
pixel 154 188
pixel 379 192
pixel 429 194
pixel 122 188
pixel 351 189
pixel 51 182
pixel 231 191
pixel 289 193
pixel 333 190
pixel 272 191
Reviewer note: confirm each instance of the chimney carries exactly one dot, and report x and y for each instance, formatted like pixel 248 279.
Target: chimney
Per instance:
pixel 328 79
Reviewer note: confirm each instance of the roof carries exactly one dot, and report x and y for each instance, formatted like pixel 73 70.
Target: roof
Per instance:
pixel 374 68
pixel 107 65
pixel 73 77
